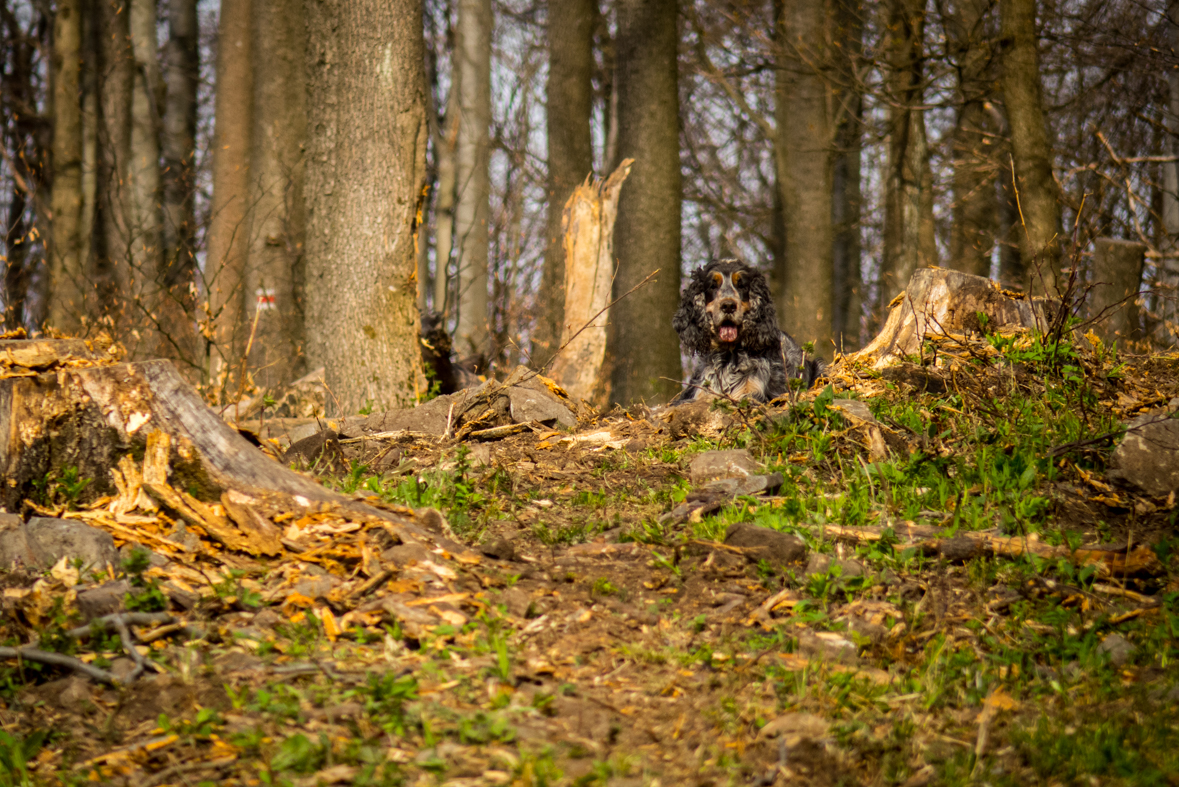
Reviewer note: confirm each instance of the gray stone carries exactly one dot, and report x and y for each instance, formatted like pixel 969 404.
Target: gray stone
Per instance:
pixel 793 727
pixel 153 558
pixel 821 564
pixel 70 538
pixel 403 555
pixel 314 587
pixel 186 538
pixel 829 646
pixel 498 548
pixel 17 549
pixel 533 401
pixel 761 543
pixel 1148 456
pixel 1118 648
pixel 105 599
pixel 267 618
pixel 516 601
pixel 722 464
pixel 320 447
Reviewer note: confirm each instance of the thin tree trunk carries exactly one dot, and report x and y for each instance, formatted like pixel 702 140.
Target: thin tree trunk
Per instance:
pixel 445 147
pixel 67 276
pixel 909 241
pixel 273 280
pixel 116 73
pixel 228 238
pixel 847 197
pixel 569 104
pixel 975 207
pixel 474 185
pixel 181 75
pixel 644 349
pixel 1168 275
pixel 1030 145
pixel 804 159
pixel 144 178
pixel 365 172
pixel 90 239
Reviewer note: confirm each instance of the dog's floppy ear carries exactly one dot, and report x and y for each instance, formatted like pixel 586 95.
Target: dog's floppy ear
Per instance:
pixel 689 321
pixel 762 333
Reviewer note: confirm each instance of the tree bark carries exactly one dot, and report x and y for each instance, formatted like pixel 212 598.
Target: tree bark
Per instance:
pixel 1030 144
pixel 590 214
pixel 228 238
pixel 1168 274
pixel 181 76
pixel 804 161
pixel 273 278
pixel 116 74
pixel 975 206
pixel 643 347
pixel 569 104
pixel 67 287
pixel 445 149
pixel 364 178
pixel 144 178
pixel 474 181
pixel 846 190
pixel 909 241
pixel 1117 277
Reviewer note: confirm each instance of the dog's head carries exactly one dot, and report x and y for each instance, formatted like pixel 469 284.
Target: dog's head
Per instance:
pixel 726 306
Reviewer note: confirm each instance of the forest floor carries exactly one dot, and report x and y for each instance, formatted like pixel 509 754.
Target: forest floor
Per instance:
pixel 594 628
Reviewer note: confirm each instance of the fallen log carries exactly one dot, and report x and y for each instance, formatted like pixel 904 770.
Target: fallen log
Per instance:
pixel 1139 562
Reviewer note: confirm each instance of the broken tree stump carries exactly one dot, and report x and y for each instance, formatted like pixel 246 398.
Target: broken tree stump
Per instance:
pixel 941 301
pixel 1113 300
pixel 589 275
pixel 138 431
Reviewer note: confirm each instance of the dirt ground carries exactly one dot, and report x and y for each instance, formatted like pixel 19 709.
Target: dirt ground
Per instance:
pixel 576 617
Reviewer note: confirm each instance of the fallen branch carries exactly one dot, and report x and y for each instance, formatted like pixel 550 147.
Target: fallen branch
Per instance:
pixel 59 660
pixel 107 622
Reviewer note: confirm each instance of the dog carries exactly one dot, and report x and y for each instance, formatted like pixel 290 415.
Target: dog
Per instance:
pixel 726 319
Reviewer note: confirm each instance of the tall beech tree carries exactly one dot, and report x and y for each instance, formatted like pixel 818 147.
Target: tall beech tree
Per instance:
pixel 365 172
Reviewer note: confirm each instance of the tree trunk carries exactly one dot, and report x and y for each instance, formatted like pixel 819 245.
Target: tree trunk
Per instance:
pixel 67 287
pixel 804 160
pixel 228 238
pixel 89 232
pixel 365 174
pixel 445 149
pixel 474 184
pixel 1023 96
pixel 975 207
pixel 116 74
pixel 643 347
pixel 846 193
pixel 144 179
pixel 181 76
pixel 569 104
pixel 1168 275
pixel 1117 277
pixel 273 291
pixel 589 219
pixel 909 241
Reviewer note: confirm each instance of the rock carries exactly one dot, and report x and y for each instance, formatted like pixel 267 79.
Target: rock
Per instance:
pixel 1148 456
pixel 516 600
pixel 761 543
pixel 828 646
pixel 793 727
pixel 105 599
pixel 694 418
pixel 404 555
pixel 183 599
pixel 130 548
pixel 722 464
pixel 532 400
pixel 17 548
pixel 267 618
pixel 1118 648
pixel 822 564
pixel 121 668
pixel 60 538
pixel 322 447
pixel 499 548
pixel 315 587
pixel 183 536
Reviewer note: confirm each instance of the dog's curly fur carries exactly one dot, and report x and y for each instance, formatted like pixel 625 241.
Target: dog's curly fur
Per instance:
pixel 726 319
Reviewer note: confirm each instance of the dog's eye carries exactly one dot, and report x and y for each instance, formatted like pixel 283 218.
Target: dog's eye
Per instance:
pixel 717 280
pixel 737 278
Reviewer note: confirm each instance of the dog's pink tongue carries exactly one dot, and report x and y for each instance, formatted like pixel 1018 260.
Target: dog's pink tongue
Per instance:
pixel 728 333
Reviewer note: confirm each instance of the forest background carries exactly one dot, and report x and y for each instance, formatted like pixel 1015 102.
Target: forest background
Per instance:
pixel 255 188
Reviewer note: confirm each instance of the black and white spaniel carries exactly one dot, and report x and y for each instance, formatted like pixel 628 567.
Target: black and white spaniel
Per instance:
pixel 726 319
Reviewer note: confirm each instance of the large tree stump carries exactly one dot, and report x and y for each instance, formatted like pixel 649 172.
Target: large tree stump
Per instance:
pixel 139 426
pixel 947 302
pixel 589 275
pixel 1113 300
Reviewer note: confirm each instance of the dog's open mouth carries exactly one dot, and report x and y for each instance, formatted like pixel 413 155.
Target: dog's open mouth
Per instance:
pixel 727 333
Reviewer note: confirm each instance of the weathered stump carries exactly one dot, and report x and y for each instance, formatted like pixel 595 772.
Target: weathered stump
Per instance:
pixel 1117 275
pixel 589 276
pixel 940 301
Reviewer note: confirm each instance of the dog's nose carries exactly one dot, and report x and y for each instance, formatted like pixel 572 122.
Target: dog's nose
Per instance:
pixel 728 307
